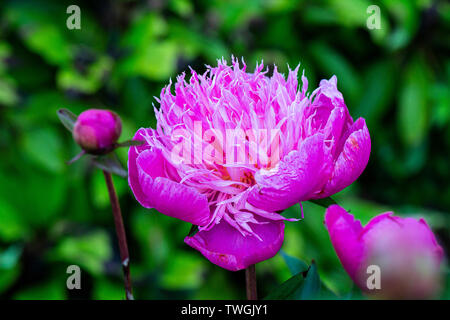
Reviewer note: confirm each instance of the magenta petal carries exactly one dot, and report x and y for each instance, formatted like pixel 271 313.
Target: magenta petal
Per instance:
pixel 97 129
pixel 328 93
pixel 325 99
pixel 391 229
pixel 298 176
pixel 352 160
pixel 402 248
pixel 133 175
pixel 226 247
pixel 344 233
pixel 153 190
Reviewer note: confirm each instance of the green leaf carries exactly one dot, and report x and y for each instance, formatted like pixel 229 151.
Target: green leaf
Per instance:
pixel 294 264
pixel 288 290
pixel 218 288
pixel 145 28
pixel 354 294
pixel 8 94
pixel 182 7
pixel 155 61
pixel 311 285
pixel 10 265
pixel 192 43
pixel 377 95
pixel 47 193
pixel 413 104
pixel 406 16
pixel 67 118
pixel 48 41
pixel 315 15
pixel 440 96
pixel 151 232
pixel 304 285
pixel 69 78
pixel 53 290
pixel 350 13
pixel 333 62
pixel 44 146
pixel 11 227
pixel 324 202
pixel 41 27
pixel 10 257
pixel 90 251
pixel 7 277
pixel 110 163
pixel 104 289
pixel 185 271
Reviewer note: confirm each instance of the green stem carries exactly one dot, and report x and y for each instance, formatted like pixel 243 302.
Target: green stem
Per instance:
pixel 250 283
pixel 121 236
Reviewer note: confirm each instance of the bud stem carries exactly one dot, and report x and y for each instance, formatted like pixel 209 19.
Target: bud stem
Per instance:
pixel 121 236
pixel 77 157
pixel 250 283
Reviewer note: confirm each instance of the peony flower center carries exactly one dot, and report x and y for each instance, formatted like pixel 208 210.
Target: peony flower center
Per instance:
pixel 248 178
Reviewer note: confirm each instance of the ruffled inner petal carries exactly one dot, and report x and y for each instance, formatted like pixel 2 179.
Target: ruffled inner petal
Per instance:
pixel 297 177
pixel 351 161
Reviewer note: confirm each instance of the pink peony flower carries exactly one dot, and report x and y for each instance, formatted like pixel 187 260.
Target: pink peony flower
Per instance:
pixel 97 130
pixel 404 249
pixel 233 149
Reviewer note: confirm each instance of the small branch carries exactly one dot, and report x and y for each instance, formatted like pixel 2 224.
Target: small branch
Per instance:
pixel 121 236
pixel 250 283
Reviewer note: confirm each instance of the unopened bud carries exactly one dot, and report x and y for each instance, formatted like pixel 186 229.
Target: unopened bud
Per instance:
pixel 96 130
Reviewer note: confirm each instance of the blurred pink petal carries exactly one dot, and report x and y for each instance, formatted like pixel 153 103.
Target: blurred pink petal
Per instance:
pixel 405 250
pixel 344 233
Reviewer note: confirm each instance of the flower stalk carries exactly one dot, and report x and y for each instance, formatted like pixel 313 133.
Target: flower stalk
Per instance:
pixel 121 236
pixel 96 131
pixel 250 282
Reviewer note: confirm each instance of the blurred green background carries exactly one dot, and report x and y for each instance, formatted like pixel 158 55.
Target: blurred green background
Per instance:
pixel 53 215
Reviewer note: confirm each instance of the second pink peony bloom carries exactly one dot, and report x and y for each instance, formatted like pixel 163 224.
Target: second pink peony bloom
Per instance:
pixel 404 251
pixel 285 147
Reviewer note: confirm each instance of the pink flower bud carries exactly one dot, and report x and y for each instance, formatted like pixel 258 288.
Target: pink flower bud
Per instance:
pixel 402 252
pixel 97 130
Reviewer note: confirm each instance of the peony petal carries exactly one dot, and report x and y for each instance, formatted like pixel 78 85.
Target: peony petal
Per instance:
pixel 403 248
pixel 153 189
pixel 296 178
pixel 133 175
pixel 386 228
pixel 437 249
pixel 335 128
pixel 324 100
pixel 328 94
pixel 344 233
pixel 226 247
pixel 351 161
